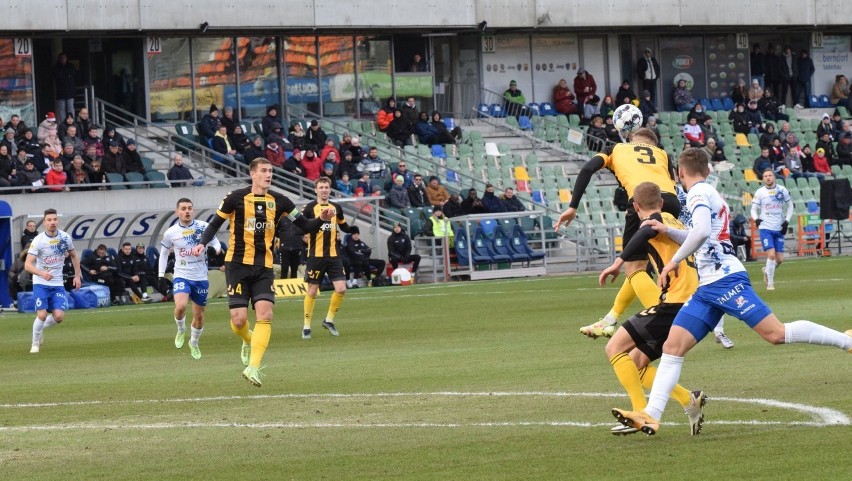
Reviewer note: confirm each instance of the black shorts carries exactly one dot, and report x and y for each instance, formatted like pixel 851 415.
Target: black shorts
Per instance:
pixel 671 204
pixel 247 283
pixel 317 267
pixel 649 329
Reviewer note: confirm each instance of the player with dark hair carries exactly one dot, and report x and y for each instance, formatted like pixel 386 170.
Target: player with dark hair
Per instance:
pixel 253 213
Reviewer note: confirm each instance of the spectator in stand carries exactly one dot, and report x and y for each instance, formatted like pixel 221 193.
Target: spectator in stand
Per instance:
pixel 697 111
pixel 91 154
pixel 762 163
pixel 240 141
pixel 444 135
pixel 114 160
pixel 56 177
pixel 255 149
pixel 62 128
pixel 739 94
pixel 376 168
pixel 739 236
pixel 78 173
pixel 437 194
pixel 363 185
pixel 711 132
pixel 101 268
pixel 72 136
pixel 651 123
pixel 757 65
pixel 329 149
pixel 417 192
pixel 646 106
pixel 472 204
pixel 297 136
pixel 8 168
pixel 42 159
pixel 804 71
pixel 844 150
pixel 512 203
pixel 274 153
pixel 827 145
pixel 778 156
pixel 270 118
pixel 29 143
pixel 46 126
pixel 209 124
pixel 345 143
pixel 97 174
pixel 357 151
pixel 409 111
pixel 315 137
pixel 439 226
pixel 625 94
pixel 770 108
pixel 111 134
pixel 418 64
pixel 30 177
pixel 126 268
pixel 228 120
pixel 311 165
pixel 682 98
pixel 754 117
pixel 64 77
pixel 398 194
pixel 358 253
pixel 585 88
pixel 399 249
pixel 492 203
pixel 756 91
pixel 132 159
pixel 837 123
pixel 347 164
pixel 767 136
pixel 795 164
pixel 740 121
pixel 343 184
pixel 18 161
pixel 692 132
pixel 293 164
pixel 92 138
pixel 609 128
pixel 591 108
pixel 179 174
pixel 787 71
pixel 563 98
pixel 840 91
pixel 772 70
pixel 426 132
pixel 714 152
pixel 283 142
pixel 222 145
pixel 328 171
pixel 596 134
pixel 28 234
pixel 67 154
pixel 607 107
pixel 825 127
pixel 84 123
pixel 648 71
pixel 821 163
pixel 385 115
pixel 453 207
pixel 514 103
pixel 399 131
pixel 17 125
pixel 402 169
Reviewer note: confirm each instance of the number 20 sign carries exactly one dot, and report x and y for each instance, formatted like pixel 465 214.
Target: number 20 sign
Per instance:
pixel 23 47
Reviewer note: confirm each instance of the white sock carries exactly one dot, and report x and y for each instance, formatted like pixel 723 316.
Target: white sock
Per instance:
pixel 720 327
pixel 38 328
pixel 181 324
pixel 195 333
pixel 770 271
pixel 610 319
pixel 49 321
pixel 668 373
pixel 812 333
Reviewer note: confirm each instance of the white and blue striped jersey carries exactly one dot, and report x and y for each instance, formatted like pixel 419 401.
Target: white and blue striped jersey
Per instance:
pixel 715 258
pixel 768 206
pixel 181 239
pixel 50 256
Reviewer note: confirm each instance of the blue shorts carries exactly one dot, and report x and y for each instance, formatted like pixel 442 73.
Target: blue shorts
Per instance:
pixel 197 290
pixel 731 295
pixel 772 239
pixel 50 298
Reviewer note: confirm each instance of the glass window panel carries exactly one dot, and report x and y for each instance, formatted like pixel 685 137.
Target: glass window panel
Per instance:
pixel 16 84
pixel 300 60
pixel 337 69
pixel 417 85
pixel 215 77
pixel 374 74
pixel 170 88
pixel 258 76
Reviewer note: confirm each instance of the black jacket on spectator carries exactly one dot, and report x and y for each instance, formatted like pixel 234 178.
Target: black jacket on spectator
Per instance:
pixel 179 174
pixel 418 196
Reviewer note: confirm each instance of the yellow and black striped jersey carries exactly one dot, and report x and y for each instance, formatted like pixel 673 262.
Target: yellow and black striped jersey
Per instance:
pixel 634 163
pixel 661 249
pixel 323 243
pixel 253 219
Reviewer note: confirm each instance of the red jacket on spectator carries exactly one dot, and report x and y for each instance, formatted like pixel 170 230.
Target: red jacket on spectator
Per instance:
pixel 324 153
pixel 385 115
pixel 563 100
pixel 56 179
pixel 311 166
pixel 274 154
pixel 821 163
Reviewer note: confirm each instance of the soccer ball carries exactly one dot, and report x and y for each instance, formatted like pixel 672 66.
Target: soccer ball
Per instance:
pixel 627 118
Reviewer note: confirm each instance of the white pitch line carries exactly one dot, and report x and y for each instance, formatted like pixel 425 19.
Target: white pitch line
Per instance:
pixel 821 416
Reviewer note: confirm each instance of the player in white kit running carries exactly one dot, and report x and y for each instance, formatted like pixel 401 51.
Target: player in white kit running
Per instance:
pixel 45 259
pixel 190 281
pixel 767 210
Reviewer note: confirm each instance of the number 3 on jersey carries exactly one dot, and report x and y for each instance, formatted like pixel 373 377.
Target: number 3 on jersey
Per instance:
pixel 646 155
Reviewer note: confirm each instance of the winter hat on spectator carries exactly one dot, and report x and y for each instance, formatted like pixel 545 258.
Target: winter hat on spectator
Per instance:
pixel 512 82
pixel 356 141
pixel 130 142
pixel 10 130
pixel 648 50
pixel 314 123
pixel 354 230
pixel 276 125
pixel 399 179
pixel 50 117
pixel 140 244
pixel 113 143
pixel 581 71
pixel 270 108
pixel 328 166
pixel 645 93
pixel 213 108
pixel 826 116
pixel 820 151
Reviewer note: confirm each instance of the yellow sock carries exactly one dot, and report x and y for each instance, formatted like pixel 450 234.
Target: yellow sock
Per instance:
pixel 622 300
pixel 309 310
pixel 645 288
pixel 628 376
pixel 259 341
pixel 334 306
pixel 679 393
pixel 243 332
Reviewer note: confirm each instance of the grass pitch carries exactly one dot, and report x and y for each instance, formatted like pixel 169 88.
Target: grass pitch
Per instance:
pixel 484 380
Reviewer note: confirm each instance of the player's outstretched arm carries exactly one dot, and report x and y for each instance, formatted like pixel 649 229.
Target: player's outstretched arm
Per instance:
pixel 210 232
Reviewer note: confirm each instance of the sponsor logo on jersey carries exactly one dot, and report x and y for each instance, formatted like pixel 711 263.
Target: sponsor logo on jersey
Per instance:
pixel 254 225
